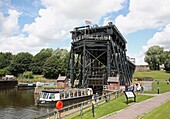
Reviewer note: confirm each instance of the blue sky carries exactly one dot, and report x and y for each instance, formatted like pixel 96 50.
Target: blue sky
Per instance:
pixel 30 25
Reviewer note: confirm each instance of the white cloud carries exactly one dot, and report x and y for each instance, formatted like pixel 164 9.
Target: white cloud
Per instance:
pixel 161 38
pixel 139 58
pixel 144 14
pixel 9 25
pixel 13 41
pixel 147 14
pixel 20 43
pixel 59 17
pixel 53 23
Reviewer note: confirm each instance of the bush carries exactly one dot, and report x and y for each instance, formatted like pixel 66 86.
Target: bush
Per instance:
pixel 28 75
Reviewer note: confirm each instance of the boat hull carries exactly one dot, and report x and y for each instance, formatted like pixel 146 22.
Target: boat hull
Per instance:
pixel 66 102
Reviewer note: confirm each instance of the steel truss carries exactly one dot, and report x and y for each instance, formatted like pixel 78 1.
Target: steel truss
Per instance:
pixel 98 53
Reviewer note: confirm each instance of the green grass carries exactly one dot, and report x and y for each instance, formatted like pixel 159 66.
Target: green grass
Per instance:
pixel 163 87
pixel 109 107
pixel 161 75
pixel 37 78
pixel 157 75
pixel 161 112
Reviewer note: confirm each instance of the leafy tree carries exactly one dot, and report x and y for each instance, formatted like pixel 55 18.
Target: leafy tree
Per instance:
pixel 5 59
pixel 155 57
pixel 28 75
pixel 167 61
pixel 2 72
pixel 64 57
pixel 56 64
pixel 39 60
pixel 20 63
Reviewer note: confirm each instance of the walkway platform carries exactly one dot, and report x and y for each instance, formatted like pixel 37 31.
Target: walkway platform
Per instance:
pixel 136 110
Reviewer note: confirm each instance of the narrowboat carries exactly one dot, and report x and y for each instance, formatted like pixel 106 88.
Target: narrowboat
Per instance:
pixel 69 96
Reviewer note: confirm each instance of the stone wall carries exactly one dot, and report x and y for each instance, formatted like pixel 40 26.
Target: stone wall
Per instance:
pixel 142 68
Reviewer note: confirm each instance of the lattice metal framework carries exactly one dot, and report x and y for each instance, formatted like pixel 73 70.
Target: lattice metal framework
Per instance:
pixel 98 53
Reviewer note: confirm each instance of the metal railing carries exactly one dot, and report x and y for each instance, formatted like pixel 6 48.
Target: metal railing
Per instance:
pixel 80 107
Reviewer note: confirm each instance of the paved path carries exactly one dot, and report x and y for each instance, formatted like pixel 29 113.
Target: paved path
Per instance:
pixel 135 111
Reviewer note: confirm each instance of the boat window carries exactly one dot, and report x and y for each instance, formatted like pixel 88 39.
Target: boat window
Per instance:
pixel 44 95
pixel 66 94
pixel 47 96
pixel 61 95
pixel 41 95
pixel 82 92
pixel 75 94
pixel 71 93
pixel 79 93
pixel 51 96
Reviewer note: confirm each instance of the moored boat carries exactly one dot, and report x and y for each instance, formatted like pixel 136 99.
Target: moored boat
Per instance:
pixel 26 86
pixel 69 96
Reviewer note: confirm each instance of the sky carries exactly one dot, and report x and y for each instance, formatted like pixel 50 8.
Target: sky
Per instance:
pixel 31 25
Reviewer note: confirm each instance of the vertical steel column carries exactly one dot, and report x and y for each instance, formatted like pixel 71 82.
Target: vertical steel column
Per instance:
pixel 108 59
pixel 84 53
pixel 122 78
pixel 123 65
pixel 115 55
pixel 72 68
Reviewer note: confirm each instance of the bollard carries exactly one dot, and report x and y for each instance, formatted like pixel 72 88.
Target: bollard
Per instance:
pixel 81 109
pixel 56 115
pixel 93 109
pixel 158 89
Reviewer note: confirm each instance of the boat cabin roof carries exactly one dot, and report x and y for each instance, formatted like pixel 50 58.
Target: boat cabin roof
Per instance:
pixel 50 91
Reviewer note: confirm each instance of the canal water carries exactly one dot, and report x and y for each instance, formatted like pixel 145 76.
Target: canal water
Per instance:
pixel 19 104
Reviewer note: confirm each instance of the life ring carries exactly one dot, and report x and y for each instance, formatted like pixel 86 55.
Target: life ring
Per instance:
pixel 59 104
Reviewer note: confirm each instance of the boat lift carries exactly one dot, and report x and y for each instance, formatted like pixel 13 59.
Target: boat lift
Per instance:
pixel 98 53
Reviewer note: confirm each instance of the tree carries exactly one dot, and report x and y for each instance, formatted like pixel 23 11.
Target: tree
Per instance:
pixel 28 75
pixel 155 57
pixel 39 60
pixel 167 61
pixel 56 64
pixel 20 63
pixel 5 59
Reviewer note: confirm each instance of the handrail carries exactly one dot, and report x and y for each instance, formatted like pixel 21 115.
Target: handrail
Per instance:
pixel 79 107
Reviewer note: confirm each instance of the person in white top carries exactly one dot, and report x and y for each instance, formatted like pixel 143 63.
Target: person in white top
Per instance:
pixel 138 88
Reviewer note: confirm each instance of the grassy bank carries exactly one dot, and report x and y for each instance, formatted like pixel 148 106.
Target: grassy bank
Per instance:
pixel 156 75
pixel 107 108
pixel 163 87
pixel 161 112
pixel 37 78
pixel 161 75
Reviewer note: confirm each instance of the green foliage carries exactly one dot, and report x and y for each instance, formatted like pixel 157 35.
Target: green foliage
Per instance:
pixel 155 57
pixel 5 59
pixel 20 63
pixel 28 75
pixel 167 61
pixel 56 64
pixel 2 72
pixel 48 62
pixel 39 60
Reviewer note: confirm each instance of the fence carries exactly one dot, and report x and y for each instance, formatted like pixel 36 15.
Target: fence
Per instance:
pixel 80 107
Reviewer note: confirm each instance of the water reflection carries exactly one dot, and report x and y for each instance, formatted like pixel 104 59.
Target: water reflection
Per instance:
pixel 19 104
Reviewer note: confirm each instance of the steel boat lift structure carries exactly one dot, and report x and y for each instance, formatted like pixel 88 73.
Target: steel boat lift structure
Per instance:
pixel 98 53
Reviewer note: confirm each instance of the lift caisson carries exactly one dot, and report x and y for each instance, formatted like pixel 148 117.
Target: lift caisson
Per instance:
pixel 98 53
